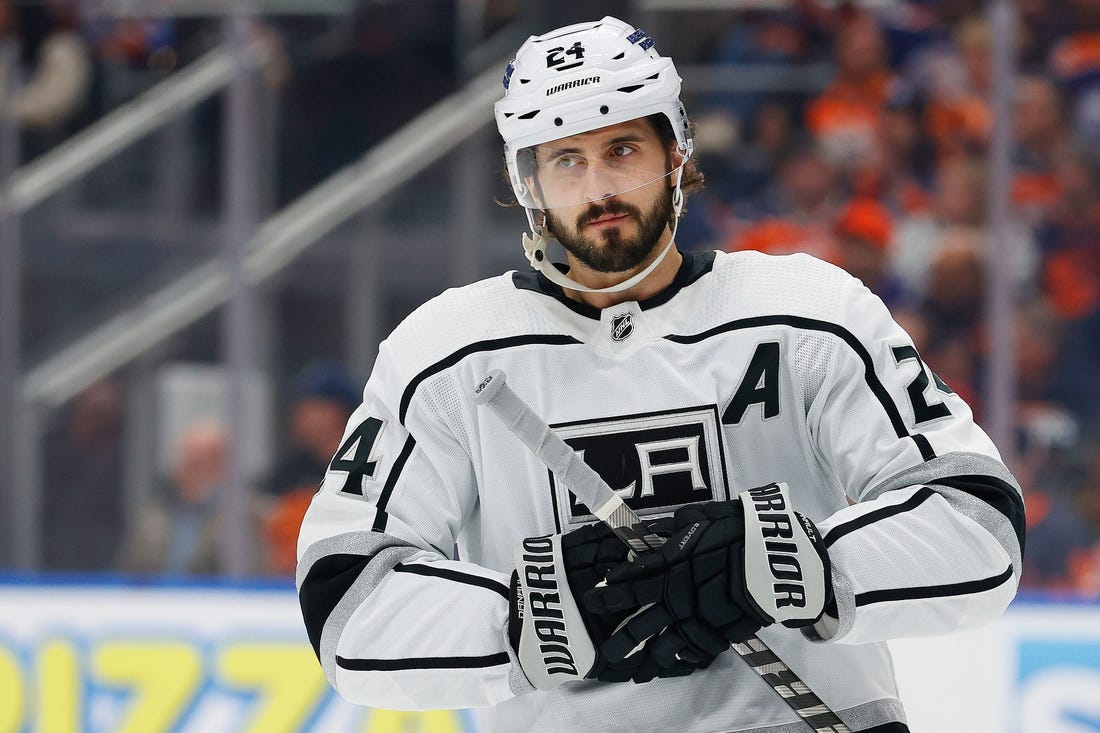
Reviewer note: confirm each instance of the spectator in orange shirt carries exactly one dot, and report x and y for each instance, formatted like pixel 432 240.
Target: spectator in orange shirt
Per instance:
pixel 1071 238
pixel 1041 139
pixel 863 231
pixel 844 119
pixel 324 397
pixel 800 210
pixel 899 165
pixel 958 117
pixel 1074 63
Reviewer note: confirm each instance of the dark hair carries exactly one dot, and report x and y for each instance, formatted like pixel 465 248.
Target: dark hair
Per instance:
pixel 692 179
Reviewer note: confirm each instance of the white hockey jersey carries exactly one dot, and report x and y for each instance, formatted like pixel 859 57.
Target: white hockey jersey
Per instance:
pixel 748 369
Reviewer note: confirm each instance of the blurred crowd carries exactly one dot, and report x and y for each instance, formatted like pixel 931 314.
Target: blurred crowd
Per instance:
pixel 885 173
pixel 175 528
pixel 76 60
pixel 338 83
pixel 883 170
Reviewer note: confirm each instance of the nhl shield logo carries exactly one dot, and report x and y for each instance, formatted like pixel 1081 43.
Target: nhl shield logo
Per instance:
pixel 622 326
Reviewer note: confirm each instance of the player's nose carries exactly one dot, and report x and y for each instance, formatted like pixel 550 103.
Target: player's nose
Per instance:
pixel 599 184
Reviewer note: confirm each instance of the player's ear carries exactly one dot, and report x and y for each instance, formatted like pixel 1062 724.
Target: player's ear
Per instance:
pixel 676 160
pixel 676 153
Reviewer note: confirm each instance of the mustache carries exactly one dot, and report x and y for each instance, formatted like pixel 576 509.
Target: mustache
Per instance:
pixel 611 208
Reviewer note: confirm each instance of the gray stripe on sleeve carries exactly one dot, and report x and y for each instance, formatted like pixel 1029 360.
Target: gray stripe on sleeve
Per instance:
pixel 517 680
pixel 945 466
pixel 385 551
pixel 963 464
pixel 828 628
pixel 992 520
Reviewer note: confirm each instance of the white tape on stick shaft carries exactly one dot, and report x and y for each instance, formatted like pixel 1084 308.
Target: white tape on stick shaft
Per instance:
pixel 555 453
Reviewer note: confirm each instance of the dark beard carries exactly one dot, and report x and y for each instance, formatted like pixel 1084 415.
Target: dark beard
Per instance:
pixel 615 254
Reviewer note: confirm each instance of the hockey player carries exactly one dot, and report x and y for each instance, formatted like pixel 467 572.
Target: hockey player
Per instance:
pixel 685 380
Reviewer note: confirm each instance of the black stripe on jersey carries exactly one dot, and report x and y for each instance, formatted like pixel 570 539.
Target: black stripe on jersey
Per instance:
pixel 924 446
pixel 478 346
pixel 392 665
pixel 455 575
pixel 933 591
pixel 811 324
pixel 325 584
pixel 381 517
pixel 871 517
pixel 999 494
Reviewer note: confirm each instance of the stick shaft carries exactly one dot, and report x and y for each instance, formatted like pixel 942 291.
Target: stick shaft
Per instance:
pixel 567 466
pixel 590 488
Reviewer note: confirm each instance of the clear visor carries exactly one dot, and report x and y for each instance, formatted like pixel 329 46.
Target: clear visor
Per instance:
pixel 553 176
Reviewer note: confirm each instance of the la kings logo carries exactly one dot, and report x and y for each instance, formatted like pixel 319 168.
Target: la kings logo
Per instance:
pixel 656 462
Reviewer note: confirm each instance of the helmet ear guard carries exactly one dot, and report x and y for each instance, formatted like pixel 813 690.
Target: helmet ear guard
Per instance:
pixel 577 79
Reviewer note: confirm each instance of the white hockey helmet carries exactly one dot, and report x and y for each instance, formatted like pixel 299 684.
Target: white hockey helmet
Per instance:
pixel 581 78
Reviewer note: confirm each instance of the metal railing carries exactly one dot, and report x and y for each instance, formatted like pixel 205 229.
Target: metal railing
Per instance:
pixel 83 152
pixel 279 240
pixel 192 8
pixel 20 461
pixel 266 250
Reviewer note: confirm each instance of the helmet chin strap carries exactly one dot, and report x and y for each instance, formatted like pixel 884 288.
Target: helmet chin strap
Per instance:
pixel 535 248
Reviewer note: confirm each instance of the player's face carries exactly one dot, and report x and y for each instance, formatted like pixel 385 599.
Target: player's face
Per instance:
pixel 616 180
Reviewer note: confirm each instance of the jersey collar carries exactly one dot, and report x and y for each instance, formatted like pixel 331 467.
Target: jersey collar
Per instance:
pixel 693 267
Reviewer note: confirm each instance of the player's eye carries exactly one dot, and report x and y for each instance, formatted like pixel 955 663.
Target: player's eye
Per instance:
pixel 567 162
pixel 621 151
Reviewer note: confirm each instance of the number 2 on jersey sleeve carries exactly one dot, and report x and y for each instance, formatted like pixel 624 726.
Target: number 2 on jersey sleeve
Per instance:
pixel 922 410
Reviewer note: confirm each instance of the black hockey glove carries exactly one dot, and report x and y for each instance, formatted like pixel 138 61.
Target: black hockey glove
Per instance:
pixel 729 569
pixel 557 640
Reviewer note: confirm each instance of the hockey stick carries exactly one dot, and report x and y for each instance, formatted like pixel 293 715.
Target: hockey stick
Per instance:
pixel 494 393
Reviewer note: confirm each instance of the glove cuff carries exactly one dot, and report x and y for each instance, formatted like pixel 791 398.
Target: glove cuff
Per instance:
pixel 553 645
pixel 786 564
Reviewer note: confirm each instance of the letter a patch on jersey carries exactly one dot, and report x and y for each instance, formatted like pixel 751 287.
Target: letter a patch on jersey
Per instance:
pixel 759 386
pixel 656 462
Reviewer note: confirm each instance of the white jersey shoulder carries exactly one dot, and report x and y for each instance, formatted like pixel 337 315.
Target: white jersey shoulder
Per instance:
pixel 797 285
pixel 484 311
